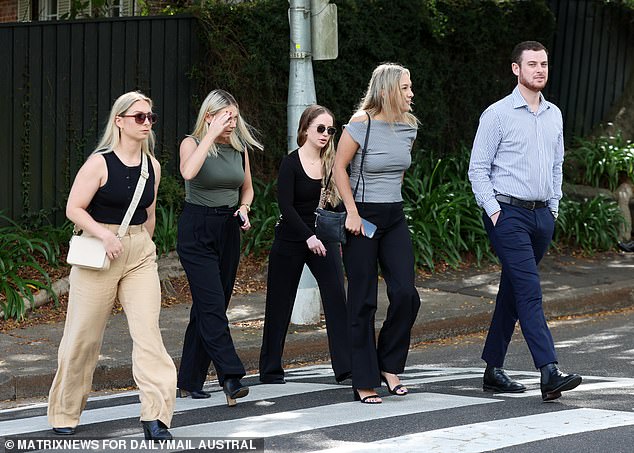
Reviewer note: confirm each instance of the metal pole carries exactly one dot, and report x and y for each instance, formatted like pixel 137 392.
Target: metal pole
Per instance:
pixel 301 94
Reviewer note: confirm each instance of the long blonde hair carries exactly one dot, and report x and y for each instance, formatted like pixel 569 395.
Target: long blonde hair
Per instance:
pixel 327 152
pixel 243 134
pixel 112 134
pixel 384 94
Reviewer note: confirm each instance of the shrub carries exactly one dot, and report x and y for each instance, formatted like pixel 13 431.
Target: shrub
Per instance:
pixel 592 225
pixel 19 252
pixel 601 162
pixel 263 217
pixel 441 211
pixel 166 229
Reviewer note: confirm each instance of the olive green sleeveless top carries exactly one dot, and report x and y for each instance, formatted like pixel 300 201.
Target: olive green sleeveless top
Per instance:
pixel 219 180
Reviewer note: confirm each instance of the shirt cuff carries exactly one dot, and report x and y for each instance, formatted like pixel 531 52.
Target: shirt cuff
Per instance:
pixel 491 207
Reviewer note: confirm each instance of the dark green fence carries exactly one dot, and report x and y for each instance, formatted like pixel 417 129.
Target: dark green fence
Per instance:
pixel 58 82
pixel 592 58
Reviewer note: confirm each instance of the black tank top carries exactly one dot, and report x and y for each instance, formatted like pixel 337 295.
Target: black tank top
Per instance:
pixel 111 201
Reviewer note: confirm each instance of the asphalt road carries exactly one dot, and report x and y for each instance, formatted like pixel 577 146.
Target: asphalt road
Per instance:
pixel 446 411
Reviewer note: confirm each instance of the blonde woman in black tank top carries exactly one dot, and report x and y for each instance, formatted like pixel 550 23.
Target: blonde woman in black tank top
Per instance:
pixel 97 203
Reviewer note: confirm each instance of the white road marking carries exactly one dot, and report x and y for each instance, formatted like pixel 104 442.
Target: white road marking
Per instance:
pixel 308 419
pixel 493 435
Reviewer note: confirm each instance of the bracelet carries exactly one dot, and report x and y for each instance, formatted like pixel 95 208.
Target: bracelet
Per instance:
pixel 248 206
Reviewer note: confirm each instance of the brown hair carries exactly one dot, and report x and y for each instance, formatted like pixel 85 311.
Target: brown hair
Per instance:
pixel 327 153
pixel 518 50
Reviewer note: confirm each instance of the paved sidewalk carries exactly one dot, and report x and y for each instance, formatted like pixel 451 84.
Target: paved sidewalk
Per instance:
pixel 453 302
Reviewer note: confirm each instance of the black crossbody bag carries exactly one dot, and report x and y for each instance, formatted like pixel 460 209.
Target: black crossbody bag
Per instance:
pixel 330 226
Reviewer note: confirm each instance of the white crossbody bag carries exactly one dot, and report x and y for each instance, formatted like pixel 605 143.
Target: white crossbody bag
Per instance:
pixel 88 252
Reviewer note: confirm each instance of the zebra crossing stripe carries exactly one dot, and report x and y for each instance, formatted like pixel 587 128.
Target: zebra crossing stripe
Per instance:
pixel 280 423
pixel 120 412
pixel 493 435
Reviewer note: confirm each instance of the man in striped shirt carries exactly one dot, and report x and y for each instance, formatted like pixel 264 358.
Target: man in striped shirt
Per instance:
pixel 516 174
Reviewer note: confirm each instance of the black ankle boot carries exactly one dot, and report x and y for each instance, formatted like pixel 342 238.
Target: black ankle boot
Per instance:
pixel 233 389
pixel 496 380
pixel 156 430
pixel 553 382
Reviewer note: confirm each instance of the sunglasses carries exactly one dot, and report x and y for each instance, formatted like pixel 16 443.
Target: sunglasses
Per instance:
pixel 331 130
pixel 140 118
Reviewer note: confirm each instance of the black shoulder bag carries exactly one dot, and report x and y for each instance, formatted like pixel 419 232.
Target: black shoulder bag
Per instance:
pixel 330 226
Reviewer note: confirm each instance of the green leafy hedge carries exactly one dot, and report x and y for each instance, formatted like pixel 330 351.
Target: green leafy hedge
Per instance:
pixel 457 51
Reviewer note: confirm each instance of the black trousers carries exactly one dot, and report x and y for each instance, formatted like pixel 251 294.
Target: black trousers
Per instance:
pixel 286 261
pixel 392 249
pixel 209 250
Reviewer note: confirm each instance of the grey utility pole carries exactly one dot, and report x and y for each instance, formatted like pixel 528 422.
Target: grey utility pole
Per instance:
pixel 301 94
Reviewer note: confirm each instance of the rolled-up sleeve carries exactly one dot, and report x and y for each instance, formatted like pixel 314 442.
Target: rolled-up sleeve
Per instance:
pixel 485 146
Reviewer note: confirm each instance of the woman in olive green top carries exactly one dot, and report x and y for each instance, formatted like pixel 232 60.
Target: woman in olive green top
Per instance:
pixel 218 194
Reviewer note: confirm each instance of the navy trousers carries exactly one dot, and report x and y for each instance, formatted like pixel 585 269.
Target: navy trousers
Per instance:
pixel 520 239
pixel 209 250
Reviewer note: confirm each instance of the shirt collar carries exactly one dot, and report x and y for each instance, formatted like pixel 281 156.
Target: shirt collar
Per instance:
pixel 519 101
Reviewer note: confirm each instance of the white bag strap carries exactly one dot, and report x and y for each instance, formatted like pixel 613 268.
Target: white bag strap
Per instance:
pixel 143 177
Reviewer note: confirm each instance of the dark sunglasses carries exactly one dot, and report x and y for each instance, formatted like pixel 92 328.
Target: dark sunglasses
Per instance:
pixel 331 130
pixel 140 118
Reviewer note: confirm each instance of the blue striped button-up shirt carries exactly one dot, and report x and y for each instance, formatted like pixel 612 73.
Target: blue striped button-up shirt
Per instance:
pixel 518 153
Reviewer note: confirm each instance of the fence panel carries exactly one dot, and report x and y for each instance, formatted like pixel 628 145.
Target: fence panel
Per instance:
pixel 59 80
pixel 591 61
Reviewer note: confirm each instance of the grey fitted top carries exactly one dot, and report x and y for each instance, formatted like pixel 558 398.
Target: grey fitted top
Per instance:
pixel 387 157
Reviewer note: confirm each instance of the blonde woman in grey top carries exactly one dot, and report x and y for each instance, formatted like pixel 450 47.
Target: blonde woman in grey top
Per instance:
pixel 377 178
pixel 215 165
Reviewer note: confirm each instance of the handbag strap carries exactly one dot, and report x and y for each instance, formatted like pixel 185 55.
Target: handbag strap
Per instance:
pixel 140 185
pixel 364 150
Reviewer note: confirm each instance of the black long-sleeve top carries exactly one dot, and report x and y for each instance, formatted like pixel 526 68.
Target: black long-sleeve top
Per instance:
pixel 298 197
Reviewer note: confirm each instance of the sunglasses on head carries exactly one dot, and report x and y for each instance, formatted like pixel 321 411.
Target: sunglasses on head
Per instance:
pixel 140 118
pixel 331 130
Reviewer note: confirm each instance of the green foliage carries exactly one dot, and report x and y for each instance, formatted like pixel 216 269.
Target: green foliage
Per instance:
pixel 457 52
pixel 263 217
pixel 441 211
pixel 592 225
pixel 601 162
pixel 19 252
pixel 171 193
pixel 166 229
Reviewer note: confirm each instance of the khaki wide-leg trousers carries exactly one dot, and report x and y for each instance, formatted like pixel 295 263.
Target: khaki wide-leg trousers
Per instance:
pixel 133 278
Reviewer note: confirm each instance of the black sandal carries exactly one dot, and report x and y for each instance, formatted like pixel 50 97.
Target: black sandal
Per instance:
pixel 395 390
pixel 365 399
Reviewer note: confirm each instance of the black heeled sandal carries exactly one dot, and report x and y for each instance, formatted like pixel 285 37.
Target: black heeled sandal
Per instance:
pixel 155 430
pixel 395 390
pixel 195 394
pixel 234 389
pixel 365 399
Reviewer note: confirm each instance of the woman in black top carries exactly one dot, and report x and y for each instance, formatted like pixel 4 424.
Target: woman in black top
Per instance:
pixel 299 187
pixel 97 203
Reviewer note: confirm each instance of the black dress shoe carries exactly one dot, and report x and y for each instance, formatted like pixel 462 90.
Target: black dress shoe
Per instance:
pixel 234 389
pixel 156 430
pixel 496 380
pixel 64 431
pixel 272 379
pixel 554 382
pixel 195 394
